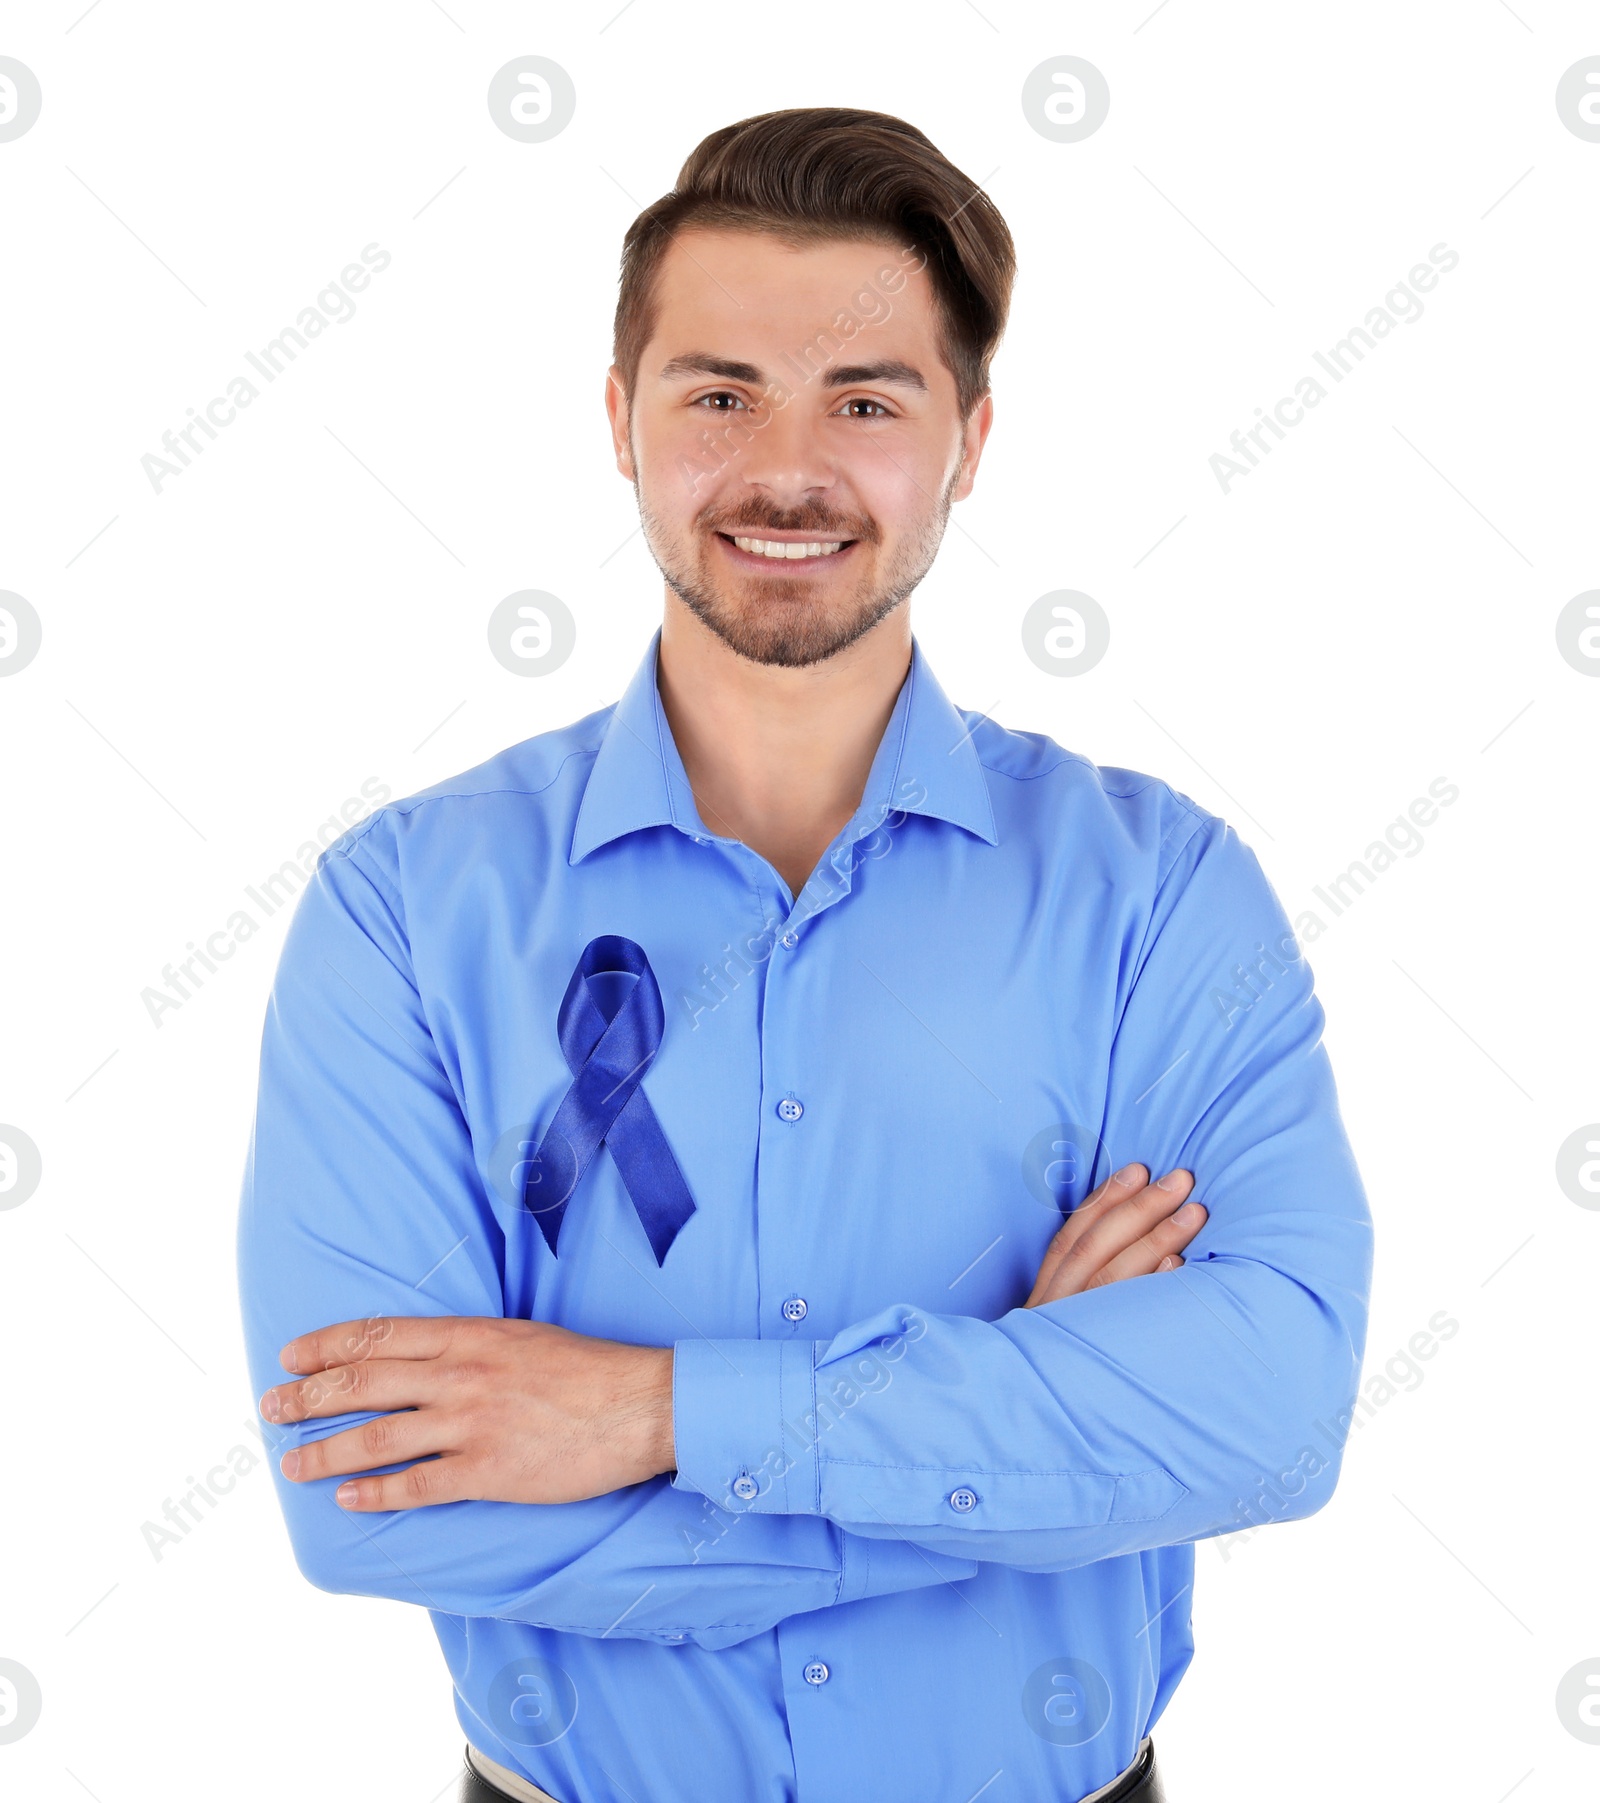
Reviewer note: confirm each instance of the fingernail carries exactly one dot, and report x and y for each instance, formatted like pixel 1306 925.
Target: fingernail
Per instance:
pixel 290 1463
pixel 271 1405
pixel 1190 1215
pixel 1127 1173
pixel 345 1495
pixel 1170 1181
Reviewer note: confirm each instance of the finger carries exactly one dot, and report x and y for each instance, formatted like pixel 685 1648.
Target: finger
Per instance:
pixel 387 1336
pixel 1128 1220
pixel 1129 1187
pixel 385 1441
pixel 1146 1254
pixel 1126 1182
pixel 419 1486
pixel 1113 1232
pixel 386 1383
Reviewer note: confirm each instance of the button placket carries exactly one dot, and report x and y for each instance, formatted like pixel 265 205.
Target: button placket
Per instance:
pixel 783 1156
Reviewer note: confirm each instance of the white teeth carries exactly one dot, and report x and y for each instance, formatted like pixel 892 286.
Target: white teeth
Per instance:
pixel 769 547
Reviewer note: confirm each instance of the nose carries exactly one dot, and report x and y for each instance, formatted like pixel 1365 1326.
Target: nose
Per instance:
pixel 786 456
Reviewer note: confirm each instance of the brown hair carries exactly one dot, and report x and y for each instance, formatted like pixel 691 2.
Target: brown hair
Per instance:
pixel 827 172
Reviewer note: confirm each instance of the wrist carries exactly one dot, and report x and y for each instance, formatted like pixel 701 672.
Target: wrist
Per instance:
pixel 660 1453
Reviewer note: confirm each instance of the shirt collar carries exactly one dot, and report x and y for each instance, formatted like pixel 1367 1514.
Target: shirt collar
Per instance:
pixel 925 763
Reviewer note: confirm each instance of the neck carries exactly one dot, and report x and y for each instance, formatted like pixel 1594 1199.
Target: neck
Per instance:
pixel 778 757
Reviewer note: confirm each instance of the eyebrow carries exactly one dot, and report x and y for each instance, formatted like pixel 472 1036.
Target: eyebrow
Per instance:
pixel 845 375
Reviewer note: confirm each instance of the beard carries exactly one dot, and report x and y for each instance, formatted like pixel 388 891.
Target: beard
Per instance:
pixel 774 619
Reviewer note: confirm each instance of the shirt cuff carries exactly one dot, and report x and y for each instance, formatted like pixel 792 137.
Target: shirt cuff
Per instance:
pixel 745 1429
pixel 744 1424
pixel 883 1567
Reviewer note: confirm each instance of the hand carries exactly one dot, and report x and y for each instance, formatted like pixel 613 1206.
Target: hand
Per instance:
pixel 517 1411
pixel 1126 1228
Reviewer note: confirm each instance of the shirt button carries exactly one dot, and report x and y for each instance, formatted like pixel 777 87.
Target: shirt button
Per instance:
pixel 789 1109
pixel 963 1499
pixel 795 1309
pixel 791 940
pixel 816 1672
pixel 745 1487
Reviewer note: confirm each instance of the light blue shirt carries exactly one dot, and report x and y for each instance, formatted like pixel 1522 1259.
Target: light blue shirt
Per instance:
pixel 921 1539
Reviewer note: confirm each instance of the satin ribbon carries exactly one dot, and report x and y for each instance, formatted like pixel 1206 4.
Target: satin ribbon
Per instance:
pixel 610 1031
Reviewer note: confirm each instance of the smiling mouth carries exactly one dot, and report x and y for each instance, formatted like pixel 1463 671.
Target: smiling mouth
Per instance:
pixel 813 550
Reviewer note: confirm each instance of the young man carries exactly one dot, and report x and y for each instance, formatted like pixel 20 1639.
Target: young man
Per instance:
pixel 665 1129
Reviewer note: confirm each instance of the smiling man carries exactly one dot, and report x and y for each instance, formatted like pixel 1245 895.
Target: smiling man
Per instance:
pixel 699 1238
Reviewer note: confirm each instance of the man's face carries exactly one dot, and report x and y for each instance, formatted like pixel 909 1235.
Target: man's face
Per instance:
pixel 794 437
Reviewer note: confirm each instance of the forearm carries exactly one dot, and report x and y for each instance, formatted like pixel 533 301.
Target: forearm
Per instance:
pixel 1127 1417
pixel 650 1562
pixel 642 1559
pixel 360 1177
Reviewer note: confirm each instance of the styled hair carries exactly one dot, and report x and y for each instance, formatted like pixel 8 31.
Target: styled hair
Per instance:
pixel 809 174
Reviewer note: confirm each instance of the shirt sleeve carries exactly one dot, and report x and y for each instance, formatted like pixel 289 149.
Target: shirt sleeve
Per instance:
pixel 1143 1413
pixel 361 1198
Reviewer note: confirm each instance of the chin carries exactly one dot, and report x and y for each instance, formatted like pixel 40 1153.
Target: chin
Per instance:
pixel 788 631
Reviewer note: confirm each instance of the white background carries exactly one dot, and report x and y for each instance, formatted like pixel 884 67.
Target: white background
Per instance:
pixel 225 662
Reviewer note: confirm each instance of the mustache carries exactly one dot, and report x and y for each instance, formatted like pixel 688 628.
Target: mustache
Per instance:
pixel 748 521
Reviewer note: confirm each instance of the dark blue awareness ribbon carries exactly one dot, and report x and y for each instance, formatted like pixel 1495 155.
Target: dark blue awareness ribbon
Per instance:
pixel 610 1030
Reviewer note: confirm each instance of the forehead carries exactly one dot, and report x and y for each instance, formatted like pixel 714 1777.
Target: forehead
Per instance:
pixel 749 293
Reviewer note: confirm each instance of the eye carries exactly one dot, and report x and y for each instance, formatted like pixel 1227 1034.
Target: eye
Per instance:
pixel 720 394
pixel 862 400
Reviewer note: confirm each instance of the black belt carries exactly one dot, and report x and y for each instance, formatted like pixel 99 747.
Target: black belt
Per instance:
pixel 1141 1785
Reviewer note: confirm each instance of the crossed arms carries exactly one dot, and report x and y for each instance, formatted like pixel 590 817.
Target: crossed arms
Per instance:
pixel 527 1412
pixel 1130 1402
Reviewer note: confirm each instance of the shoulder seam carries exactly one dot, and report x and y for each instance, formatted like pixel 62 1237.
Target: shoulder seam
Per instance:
pixel 1200 823
pixel 412 802
pixel 392 905
pixel 1078 757
pixel 1067 757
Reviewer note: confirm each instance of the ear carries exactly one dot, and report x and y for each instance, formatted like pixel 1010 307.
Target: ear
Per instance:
pixel 974 435
pixel 617 411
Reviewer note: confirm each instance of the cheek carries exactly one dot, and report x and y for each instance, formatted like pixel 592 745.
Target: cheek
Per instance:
pixel 685 457
pixel 678 476
pixel 896 482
